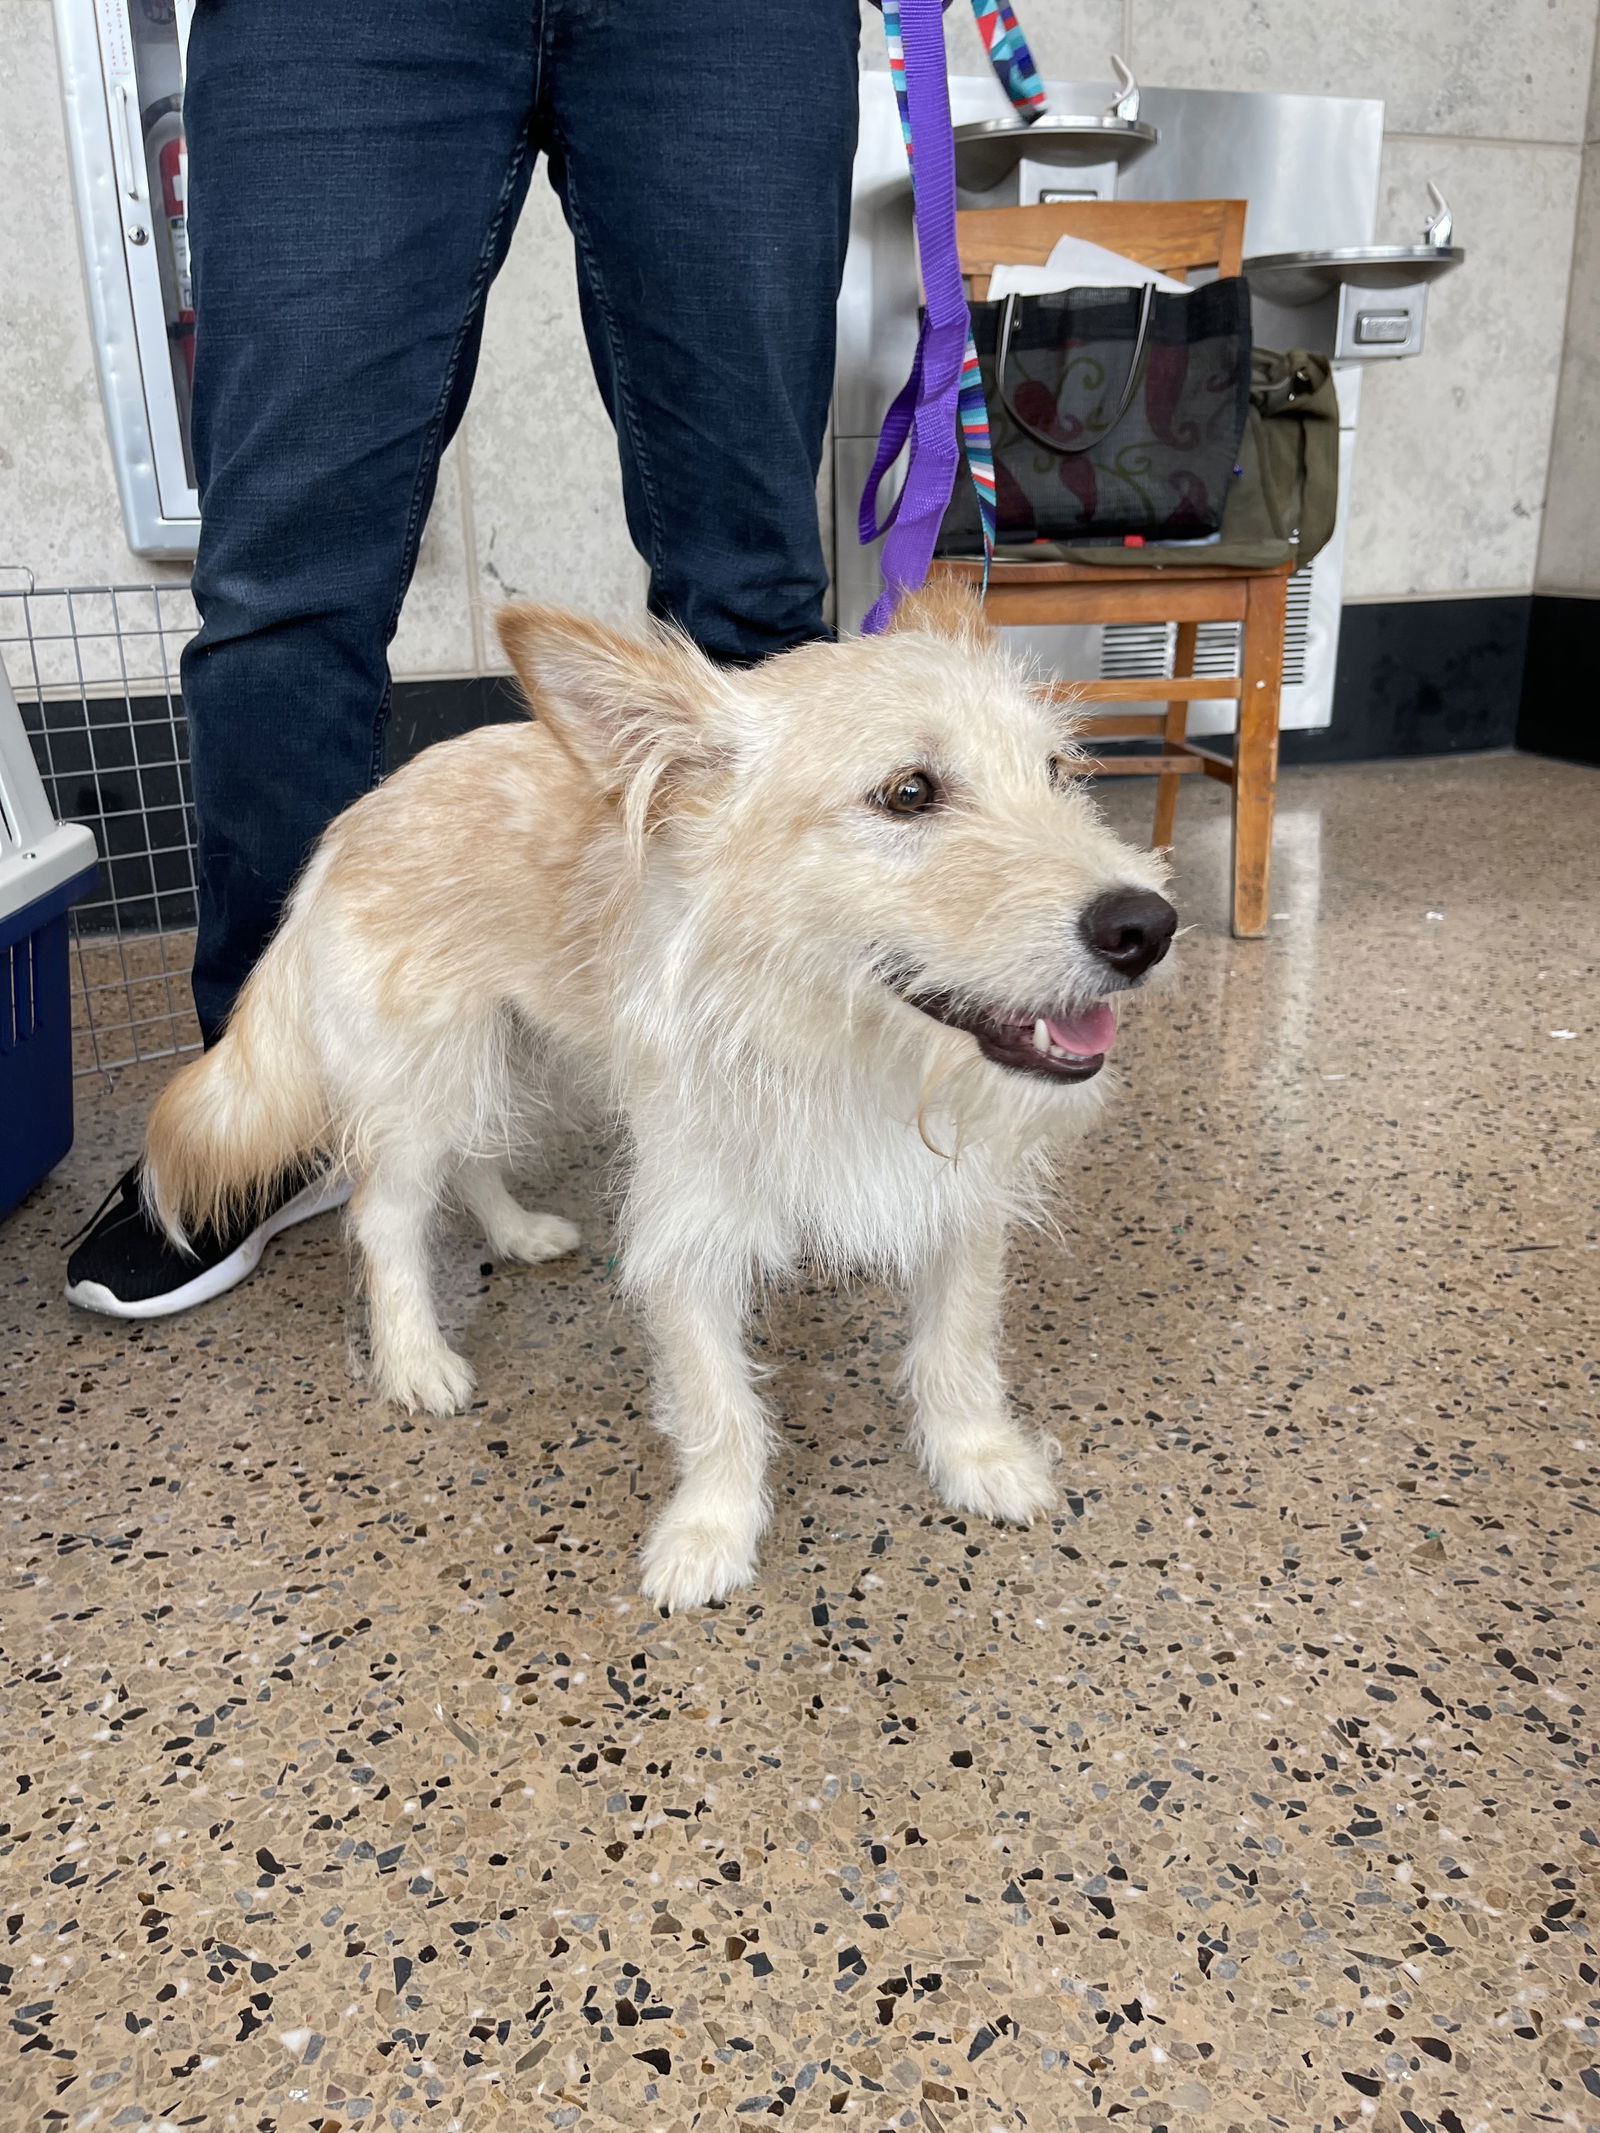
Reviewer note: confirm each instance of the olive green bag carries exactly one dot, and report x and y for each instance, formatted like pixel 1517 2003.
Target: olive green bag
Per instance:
pixel 1283 501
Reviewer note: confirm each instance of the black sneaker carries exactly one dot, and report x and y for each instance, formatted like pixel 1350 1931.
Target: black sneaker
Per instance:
pixel 129 1267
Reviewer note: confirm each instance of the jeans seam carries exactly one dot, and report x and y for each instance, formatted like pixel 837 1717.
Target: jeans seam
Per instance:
pixel 429 455
pixel 619 370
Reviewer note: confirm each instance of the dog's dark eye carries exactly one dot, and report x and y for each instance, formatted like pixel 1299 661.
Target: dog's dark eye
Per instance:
pixel 909 792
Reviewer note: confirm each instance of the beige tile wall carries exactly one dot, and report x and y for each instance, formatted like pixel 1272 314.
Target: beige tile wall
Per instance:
pixel 545 497
pixel 1454 454
pixel 1453 449
pixel 1483 69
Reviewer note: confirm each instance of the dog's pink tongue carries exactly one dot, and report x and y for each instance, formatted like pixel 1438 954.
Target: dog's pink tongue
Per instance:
pixel 1086 1034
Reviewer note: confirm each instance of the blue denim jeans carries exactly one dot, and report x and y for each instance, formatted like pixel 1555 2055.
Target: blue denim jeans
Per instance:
pixel 356 171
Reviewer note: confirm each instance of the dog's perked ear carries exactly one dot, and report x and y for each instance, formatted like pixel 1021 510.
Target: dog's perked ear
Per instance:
pixel 944 607
pixel 633 712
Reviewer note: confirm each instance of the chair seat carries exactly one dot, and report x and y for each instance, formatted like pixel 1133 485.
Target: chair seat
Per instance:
pixel 1048 570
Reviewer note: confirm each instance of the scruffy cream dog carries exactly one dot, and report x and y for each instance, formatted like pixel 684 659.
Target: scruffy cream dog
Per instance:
pixel 835 939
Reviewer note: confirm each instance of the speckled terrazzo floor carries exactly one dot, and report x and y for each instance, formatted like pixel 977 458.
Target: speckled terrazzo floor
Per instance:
pixel 348 1784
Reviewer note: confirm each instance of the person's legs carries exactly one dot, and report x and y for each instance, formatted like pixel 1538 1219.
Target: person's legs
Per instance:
pixel 703 157
pixel 356 172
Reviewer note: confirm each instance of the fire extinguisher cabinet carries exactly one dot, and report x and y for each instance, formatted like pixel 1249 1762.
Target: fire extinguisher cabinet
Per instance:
pixel 122 65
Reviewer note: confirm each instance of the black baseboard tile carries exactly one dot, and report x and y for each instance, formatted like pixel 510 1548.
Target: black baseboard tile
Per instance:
pixel 1560 713
pixel 1422 677
pixel 1417 678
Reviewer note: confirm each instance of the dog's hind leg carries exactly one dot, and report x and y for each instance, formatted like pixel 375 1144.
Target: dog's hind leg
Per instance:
pixel 510 1230
pixel 704 1544
pixel 392 1211
pixel 976 1455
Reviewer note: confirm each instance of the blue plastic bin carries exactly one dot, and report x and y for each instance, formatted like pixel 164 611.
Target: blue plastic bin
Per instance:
pixel 45 866
pixel 35 1040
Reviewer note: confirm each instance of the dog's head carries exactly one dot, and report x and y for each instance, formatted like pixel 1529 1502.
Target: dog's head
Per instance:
pixel 880 836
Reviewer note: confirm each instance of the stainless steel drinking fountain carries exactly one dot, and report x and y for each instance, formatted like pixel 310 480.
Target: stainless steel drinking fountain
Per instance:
pixel 1008 161
pixel 1356 303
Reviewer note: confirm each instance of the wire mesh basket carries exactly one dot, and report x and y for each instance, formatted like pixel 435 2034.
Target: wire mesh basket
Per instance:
pixel 95 672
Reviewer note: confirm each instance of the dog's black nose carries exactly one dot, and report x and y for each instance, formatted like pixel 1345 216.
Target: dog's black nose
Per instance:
pixel 1130 929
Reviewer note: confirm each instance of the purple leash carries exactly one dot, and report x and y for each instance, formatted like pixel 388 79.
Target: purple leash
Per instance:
pixel 944 389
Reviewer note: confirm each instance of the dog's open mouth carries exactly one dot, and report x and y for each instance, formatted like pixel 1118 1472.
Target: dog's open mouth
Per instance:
pixel 1060 1047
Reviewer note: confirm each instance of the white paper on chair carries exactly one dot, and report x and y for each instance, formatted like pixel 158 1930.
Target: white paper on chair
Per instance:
pixel 1074 263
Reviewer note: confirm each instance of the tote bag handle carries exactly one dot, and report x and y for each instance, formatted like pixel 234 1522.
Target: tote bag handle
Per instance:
pixel 1002 361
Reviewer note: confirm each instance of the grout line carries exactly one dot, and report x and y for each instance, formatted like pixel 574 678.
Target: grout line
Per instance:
pixel 1455 592
pixel 1591 115
pixel 1481 140
pixel 1564 377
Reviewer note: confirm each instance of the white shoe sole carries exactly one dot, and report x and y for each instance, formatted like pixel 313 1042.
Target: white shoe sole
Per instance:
pixel 317 1198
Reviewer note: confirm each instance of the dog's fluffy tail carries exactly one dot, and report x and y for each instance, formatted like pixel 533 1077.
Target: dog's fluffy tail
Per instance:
pixel 234 1120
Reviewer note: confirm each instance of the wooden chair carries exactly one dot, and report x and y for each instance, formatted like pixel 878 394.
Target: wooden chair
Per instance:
pixel 1177 236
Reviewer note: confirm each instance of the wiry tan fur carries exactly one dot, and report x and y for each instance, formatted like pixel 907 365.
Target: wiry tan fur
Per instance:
pixel 215 1137
pixel 675 884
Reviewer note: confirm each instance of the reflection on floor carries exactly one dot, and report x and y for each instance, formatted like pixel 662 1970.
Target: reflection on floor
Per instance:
pixel 351 1785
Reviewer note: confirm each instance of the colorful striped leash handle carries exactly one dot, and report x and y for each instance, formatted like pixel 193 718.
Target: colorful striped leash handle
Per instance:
pixel 1009 56
pixel 944 392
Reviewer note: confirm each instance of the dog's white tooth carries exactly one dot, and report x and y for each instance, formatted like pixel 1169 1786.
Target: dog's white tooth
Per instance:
pixel 1041 1035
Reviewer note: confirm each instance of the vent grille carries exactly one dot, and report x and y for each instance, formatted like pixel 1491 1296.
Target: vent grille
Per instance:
pixel 1136 651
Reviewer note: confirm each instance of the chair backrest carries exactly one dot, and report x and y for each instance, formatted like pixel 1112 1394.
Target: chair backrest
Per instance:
pixel 1178 236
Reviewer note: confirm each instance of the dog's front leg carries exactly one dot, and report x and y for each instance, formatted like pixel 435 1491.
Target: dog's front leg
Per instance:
pixel 975 1453
pixel 704 1544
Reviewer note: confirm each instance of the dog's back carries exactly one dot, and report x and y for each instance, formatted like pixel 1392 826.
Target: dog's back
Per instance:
pixel 434 905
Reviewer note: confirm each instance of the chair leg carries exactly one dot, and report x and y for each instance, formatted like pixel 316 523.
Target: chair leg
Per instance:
pixel 1172 737
pixel 1255 770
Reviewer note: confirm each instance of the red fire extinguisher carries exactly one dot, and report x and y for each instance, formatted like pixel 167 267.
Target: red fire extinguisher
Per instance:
pixel 174 161
pixel 167 157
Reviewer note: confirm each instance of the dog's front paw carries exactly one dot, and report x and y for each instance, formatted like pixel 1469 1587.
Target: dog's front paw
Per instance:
pixel 695 1555
pixel 436 1380
pixel 532 1238
pixel 1001 1474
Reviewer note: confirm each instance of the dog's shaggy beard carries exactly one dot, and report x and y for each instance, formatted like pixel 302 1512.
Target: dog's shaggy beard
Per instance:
pixel 800 1063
